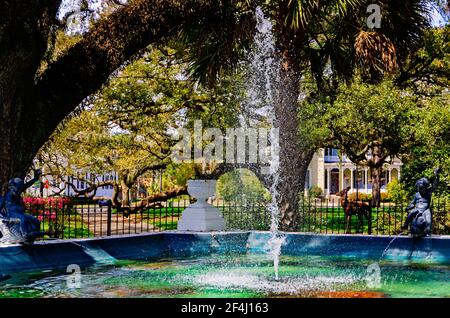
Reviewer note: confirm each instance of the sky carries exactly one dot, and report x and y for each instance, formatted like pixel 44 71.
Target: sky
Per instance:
pixel 437 19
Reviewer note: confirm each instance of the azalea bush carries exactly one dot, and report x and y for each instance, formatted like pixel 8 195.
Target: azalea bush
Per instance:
pixel 50 212
pixel 54 202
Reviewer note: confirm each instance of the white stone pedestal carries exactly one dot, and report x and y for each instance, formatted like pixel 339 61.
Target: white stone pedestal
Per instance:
pixel 201 216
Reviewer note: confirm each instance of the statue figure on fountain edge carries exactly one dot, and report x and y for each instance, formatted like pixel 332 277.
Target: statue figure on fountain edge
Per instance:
pixel 419 219
pixel 16 227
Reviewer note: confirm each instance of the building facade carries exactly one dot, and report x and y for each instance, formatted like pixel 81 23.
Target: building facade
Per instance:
pixel 333 173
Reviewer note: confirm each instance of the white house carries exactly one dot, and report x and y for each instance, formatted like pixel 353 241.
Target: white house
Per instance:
pixel 333 173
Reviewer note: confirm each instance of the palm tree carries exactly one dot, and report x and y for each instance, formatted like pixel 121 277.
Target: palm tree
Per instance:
pixel 329 38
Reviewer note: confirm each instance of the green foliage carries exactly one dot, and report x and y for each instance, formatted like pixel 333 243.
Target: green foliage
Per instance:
pixel 372 123
pixel 241 184
pixel 129 125
pixel 313 127
pixel 428 69
pixel 177 175
pixel 315 191
pixel 432 146
pixel 396 192
pixel 365 116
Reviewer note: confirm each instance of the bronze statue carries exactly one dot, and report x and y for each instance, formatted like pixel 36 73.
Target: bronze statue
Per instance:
pixel 16 227
pixel 419 219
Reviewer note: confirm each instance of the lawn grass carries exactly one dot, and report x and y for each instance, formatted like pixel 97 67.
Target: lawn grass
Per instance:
pixel 332 220
pixel 70 220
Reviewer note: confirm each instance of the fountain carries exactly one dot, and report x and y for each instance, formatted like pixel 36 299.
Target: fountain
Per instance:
pixel 229 264
pixel 260 102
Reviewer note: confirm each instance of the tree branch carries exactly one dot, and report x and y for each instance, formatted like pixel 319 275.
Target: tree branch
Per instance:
pixel 111 42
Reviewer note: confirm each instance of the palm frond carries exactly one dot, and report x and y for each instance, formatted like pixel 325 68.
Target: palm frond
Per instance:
pixel 214 45
pixel 344 6
pixel 375 53
pixel 300 12
pixel 404 22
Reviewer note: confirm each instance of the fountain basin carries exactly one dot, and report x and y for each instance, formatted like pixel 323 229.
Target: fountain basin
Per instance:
pixel 228 264
pixel 88 252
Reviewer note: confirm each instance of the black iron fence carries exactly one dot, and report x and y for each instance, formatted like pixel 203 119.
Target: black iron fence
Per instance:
pixel 329 217
pixel 67 218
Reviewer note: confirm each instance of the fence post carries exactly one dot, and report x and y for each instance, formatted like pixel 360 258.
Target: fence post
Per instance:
pixel 109 219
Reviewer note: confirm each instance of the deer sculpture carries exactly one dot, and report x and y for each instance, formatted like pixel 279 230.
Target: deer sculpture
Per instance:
pixel 358 208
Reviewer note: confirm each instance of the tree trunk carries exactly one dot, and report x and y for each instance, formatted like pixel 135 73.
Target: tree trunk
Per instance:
pixel 24 30
pixel 125 193
pixel 376 170
pixel 115 196
pixel 293 160
pixel 376 188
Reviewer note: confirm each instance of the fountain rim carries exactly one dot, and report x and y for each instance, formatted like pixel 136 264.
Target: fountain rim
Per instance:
pixel 213 233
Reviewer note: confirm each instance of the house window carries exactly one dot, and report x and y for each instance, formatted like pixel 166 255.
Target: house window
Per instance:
pixel 325 186
pixel 384 178
pixel 331 152
pixel 308 179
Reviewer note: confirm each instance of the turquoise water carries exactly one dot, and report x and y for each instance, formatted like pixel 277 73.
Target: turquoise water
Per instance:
pixel 240 276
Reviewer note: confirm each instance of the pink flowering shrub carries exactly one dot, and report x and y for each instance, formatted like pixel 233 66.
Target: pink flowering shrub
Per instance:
pixel 49 211
pixel 55 203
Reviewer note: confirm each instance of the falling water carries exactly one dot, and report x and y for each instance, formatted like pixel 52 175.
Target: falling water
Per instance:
pixel 389 245
pixel 260 104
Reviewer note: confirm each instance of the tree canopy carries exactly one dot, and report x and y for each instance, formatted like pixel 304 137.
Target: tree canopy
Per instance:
pixel 128 127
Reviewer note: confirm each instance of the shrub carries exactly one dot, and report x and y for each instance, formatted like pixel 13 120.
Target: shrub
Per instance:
pixel 396 192
pixel 315 191
pixel 361 197
pixel 384 197
pixel 367 197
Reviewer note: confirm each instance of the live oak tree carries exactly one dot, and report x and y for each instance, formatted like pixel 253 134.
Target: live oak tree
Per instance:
pixel 88 146
pixel 372 124
pixel 34 101
pixel 128 126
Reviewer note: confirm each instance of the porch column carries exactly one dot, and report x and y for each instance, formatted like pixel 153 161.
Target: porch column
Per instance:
pixel 352 172
pixel 341 178
pixel 329 180
pixel 366 180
